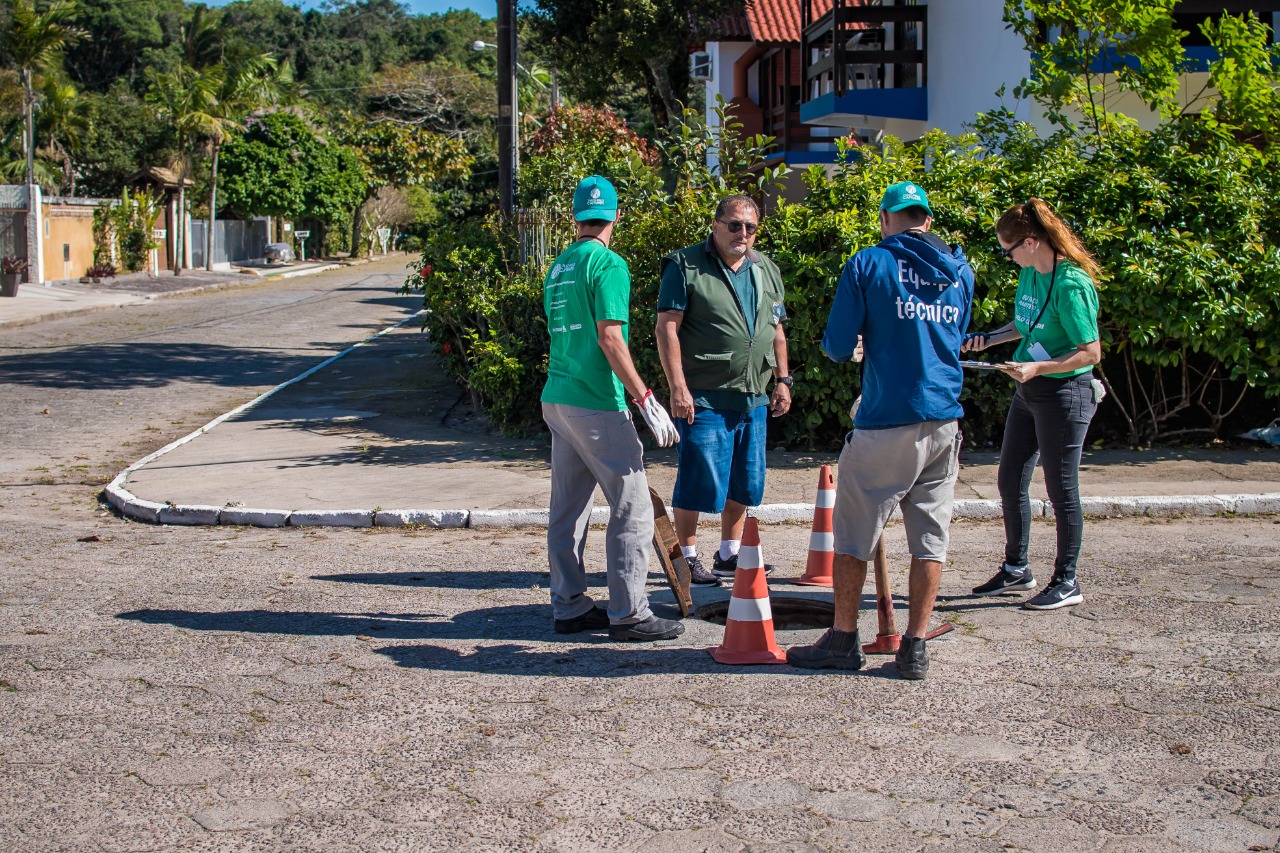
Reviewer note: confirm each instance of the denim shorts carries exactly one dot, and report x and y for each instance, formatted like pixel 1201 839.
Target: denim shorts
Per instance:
pixel 721 455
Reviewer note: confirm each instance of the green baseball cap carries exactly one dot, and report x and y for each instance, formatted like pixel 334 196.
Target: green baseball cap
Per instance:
pixel 903 195
pixel 595 198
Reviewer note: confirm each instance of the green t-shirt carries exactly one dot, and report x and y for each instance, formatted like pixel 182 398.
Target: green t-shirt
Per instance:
pixel 1071 318
pixel 586 284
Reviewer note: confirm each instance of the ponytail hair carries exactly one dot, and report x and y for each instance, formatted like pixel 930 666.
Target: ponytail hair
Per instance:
pixel 1036 219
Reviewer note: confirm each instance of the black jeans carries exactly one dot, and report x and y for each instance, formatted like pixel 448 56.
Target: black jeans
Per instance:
pixel 1047 419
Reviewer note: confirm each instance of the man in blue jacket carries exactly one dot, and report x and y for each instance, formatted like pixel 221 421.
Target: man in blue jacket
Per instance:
pixel 909 297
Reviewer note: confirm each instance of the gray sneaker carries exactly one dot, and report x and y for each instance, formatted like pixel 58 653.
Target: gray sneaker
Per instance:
pixel 698 574
pixel 1008 579
pixel 1061 592
pixel 912 659
pixel 649 630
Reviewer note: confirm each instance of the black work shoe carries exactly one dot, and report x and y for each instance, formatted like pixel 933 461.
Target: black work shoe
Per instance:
pixel 1008 579
pixel 834 650
pixel 1061 592
pixel 912 659
pixel 595 619
pixel 698 574
pixel 725 568
pixel 650 629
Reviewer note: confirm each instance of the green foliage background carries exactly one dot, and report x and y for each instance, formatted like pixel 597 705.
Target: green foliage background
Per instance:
pixel 1179 218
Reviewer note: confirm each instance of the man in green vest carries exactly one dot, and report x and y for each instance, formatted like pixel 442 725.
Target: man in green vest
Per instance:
pixel 587 299
pixel 720 315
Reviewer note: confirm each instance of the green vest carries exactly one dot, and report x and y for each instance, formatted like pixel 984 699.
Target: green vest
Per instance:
pixel 717 350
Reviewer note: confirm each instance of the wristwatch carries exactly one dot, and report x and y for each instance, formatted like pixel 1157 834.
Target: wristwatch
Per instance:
pixel 785 380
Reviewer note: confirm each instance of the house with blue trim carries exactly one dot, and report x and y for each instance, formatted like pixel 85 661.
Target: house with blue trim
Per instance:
pixel 809 71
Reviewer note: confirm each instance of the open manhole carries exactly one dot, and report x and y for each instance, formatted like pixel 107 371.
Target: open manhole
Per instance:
pixel 789 614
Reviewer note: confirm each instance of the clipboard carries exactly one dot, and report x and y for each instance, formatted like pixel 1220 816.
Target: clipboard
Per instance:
pixel 981 365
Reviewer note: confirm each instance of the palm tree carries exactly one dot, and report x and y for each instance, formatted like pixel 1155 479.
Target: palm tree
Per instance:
pixel 188 100
pixel 33 41
pixel 248 83
pixel 205 97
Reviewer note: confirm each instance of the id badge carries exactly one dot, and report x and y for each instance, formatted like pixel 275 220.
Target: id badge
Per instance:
pixel 1038 352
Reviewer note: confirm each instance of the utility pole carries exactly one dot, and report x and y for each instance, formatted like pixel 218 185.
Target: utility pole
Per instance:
pixel 508 109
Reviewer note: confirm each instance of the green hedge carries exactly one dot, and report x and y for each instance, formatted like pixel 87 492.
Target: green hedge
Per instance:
pixel 1181 218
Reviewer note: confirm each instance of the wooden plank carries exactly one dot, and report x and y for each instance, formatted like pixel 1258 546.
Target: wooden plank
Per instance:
pixel 667 548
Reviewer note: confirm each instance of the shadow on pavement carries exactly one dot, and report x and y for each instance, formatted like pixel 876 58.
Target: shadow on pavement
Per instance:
pixel 152 365
pixel 452 580
pixel 507 624
pixel 599 662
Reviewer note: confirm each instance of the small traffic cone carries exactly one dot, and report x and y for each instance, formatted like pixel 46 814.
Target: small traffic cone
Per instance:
pixel 822 545
pixel 748 630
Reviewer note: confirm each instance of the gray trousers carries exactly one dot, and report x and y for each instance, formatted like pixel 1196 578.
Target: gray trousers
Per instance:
pixel 590 448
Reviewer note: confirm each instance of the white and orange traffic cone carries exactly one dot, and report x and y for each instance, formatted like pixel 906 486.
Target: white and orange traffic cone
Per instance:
pixel 748 630
pixel 822 544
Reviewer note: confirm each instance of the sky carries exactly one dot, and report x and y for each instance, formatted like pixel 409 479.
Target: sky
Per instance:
pixel 485 8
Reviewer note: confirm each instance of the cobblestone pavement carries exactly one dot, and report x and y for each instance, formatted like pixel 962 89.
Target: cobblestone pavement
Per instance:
pixel 170 688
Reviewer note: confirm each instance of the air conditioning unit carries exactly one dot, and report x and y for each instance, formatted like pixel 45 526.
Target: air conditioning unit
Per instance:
pixel 700 66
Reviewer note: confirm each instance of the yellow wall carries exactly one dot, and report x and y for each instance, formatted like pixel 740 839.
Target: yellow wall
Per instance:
pixel 71 227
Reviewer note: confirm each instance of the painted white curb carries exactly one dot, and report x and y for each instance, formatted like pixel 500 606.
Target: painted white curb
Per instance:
pixel 507 519
pixel 136 508
pixel 241 516
pixel 331 518
pixel 446 518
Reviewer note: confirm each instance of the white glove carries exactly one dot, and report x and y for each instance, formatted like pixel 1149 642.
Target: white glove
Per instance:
pixel 658 420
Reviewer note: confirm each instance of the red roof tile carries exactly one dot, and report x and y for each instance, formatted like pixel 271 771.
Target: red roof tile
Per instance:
pixel 778 21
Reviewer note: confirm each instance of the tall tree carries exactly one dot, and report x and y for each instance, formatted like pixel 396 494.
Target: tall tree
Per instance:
pixel 399 155
pixel 647 43
pixel 188 100
pixel 247 83
pixel 34 42
pixel 280 166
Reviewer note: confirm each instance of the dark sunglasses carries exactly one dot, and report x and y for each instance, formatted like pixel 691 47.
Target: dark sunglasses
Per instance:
pixel 736 225
pixel 1008 253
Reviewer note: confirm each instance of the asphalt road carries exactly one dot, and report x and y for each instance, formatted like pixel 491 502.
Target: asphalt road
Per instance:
pixel 169 688
pixel 85 396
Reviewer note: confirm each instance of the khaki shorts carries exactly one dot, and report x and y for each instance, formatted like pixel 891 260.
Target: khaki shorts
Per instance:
pixel 914 466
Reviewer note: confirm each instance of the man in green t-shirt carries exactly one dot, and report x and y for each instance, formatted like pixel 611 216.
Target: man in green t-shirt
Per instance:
pixel 587 299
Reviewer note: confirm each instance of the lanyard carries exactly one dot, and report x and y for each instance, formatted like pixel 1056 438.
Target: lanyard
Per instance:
pixel 1045 307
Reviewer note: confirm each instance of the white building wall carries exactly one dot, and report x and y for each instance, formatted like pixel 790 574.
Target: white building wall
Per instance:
pixel 971 55
pixel 723 56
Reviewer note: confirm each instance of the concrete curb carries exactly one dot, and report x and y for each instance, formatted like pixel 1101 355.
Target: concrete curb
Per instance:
pixel 1153 506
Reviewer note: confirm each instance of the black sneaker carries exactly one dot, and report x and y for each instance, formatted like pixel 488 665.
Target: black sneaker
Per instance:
pixel 650 629
pixel 1008 579
pixel 912 659
pixel 595 619
pixel 698 574
pixel 725 568
pixel 834 650
pixel 1061 592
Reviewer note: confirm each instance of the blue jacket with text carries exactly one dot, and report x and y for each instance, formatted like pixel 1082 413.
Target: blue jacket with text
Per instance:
pixel 909 297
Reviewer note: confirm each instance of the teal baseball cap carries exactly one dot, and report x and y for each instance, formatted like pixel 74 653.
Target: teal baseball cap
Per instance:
pixel 595 198
pixel 903 195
